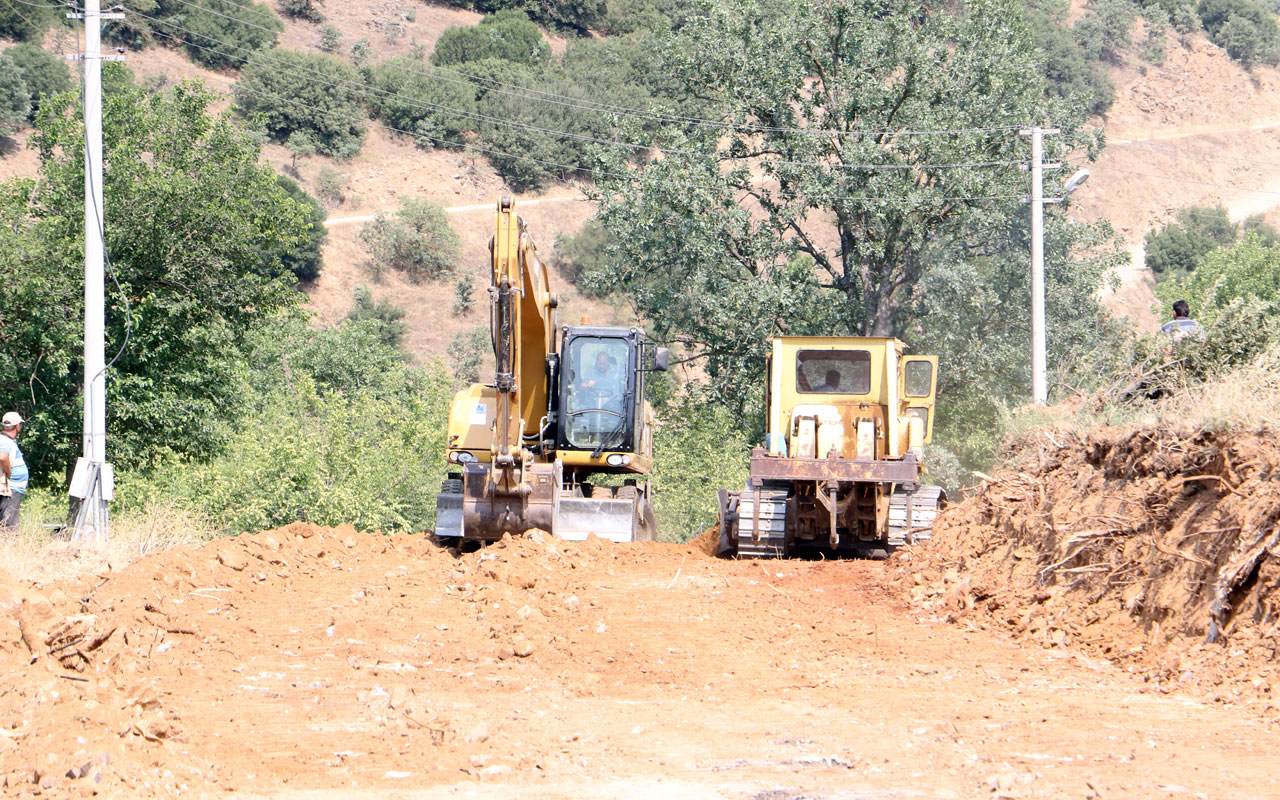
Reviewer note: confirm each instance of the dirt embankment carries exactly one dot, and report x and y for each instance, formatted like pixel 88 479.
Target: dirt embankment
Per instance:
pixel 1154 548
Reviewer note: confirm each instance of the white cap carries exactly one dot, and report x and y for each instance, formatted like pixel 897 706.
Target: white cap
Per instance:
pixel 11 419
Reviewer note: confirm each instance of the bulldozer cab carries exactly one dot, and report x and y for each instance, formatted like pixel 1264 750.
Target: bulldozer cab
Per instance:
pixel 848 397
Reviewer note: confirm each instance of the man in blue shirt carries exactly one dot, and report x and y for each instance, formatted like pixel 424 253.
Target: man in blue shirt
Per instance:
pixel 1182 326
pixel 13 470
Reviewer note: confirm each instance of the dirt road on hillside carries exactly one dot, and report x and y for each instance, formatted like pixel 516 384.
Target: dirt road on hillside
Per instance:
pixel 326 663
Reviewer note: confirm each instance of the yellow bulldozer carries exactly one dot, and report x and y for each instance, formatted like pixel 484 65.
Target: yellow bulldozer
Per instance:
pixel 566 404
pixel 840 471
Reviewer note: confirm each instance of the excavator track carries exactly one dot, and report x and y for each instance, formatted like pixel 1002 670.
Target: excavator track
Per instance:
pixel 911 514
pixel 769 539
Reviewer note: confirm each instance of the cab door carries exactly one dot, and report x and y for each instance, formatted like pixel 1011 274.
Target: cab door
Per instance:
pixel 918 388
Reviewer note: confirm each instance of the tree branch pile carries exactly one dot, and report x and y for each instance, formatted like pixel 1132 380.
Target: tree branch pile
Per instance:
pixel 1156 547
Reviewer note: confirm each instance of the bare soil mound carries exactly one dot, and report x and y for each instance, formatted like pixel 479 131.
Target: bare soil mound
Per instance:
pixel 1152 547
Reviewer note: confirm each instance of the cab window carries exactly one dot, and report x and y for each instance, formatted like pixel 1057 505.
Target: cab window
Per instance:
pixel 833 371
pixel 919 380
pixel 595 412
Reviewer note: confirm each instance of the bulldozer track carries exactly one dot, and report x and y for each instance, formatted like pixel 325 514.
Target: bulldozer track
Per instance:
pixel 911 514
pixel 763 535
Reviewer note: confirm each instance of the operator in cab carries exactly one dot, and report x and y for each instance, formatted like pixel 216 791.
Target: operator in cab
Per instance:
pixel 596 400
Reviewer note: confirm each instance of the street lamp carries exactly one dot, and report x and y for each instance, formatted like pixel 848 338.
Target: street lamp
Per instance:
pixel 1039 380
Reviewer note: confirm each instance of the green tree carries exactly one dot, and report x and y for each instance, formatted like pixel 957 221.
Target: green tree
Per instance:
pixel 305 259
pixel 303 9
pixel 580 256
pixel 1069 74
pixel 463 295
pixel 972 309
pixel 43 73
pixel 417 241
pixel 338 431
pixel 290 91
pixel 192 213
pixel 1194 233
pixel 406 96
pixel 1244 28
pixel 386 318
pixel 1104 31
pixel 508 35
pixel 25 21
pixel 804 211
pixel 223 34
pixel 467 351
pixel 15 97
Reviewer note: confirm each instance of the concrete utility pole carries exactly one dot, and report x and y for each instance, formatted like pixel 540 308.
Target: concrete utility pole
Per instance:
pixel 92 481
pixel 1039 383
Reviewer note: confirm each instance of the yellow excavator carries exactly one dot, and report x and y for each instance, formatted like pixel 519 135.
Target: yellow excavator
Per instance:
pixel 848 418
pixel 565 405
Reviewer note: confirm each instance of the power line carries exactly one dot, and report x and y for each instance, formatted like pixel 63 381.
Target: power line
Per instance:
pixel 1182 179
pixel 524 93
pixel 1172 152
pixel 319 77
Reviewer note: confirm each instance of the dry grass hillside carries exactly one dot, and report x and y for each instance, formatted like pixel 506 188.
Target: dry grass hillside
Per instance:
pixel 1197 129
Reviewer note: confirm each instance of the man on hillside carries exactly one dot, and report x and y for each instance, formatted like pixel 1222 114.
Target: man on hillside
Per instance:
pixel 13 470
pixel 1182 326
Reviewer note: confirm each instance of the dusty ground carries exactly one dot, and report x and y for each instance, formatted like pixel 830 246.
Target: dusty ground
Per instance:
pixel 327 663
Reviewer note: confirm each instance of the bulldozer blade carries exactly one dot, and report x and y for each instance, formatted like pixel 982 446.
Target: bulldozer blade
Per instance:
pixel 579 517
pixel 449 510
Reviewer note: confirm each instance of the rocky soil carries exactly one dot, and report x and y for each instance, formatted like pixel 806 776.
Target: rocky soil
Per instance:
pixel 309 662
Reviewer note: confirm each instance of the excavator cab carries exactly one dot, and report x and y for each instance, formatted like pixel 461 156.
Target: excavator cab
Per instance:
pixel 602 393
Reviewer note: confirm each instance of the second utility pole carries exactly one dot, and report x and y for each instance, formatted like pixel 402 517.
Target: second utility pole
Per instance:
pixel 1039 382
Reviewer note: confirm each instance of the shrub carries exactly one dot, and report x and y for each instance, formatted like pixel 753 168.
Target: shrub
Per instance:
pixel 508 35
pixel 313 92
pixel 25 22
pixel 1180 245
pixel 15 98
pixel 303 9
pixel 386 318
pixel 405 96
pixel 463 295
pixel 630 16
pixel 305 259
pixel 330 38
pixel 223 34
pixel 1068 72
pixel 580 256
pixel 44 73
pixel 351 435
pixel 360 51
pixel 466 352
pixel 578 15
pixel 331 186
pixel 417 241
pixel 698 450
pixel 527 158
pixel 1104 31
pixel 1246 30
